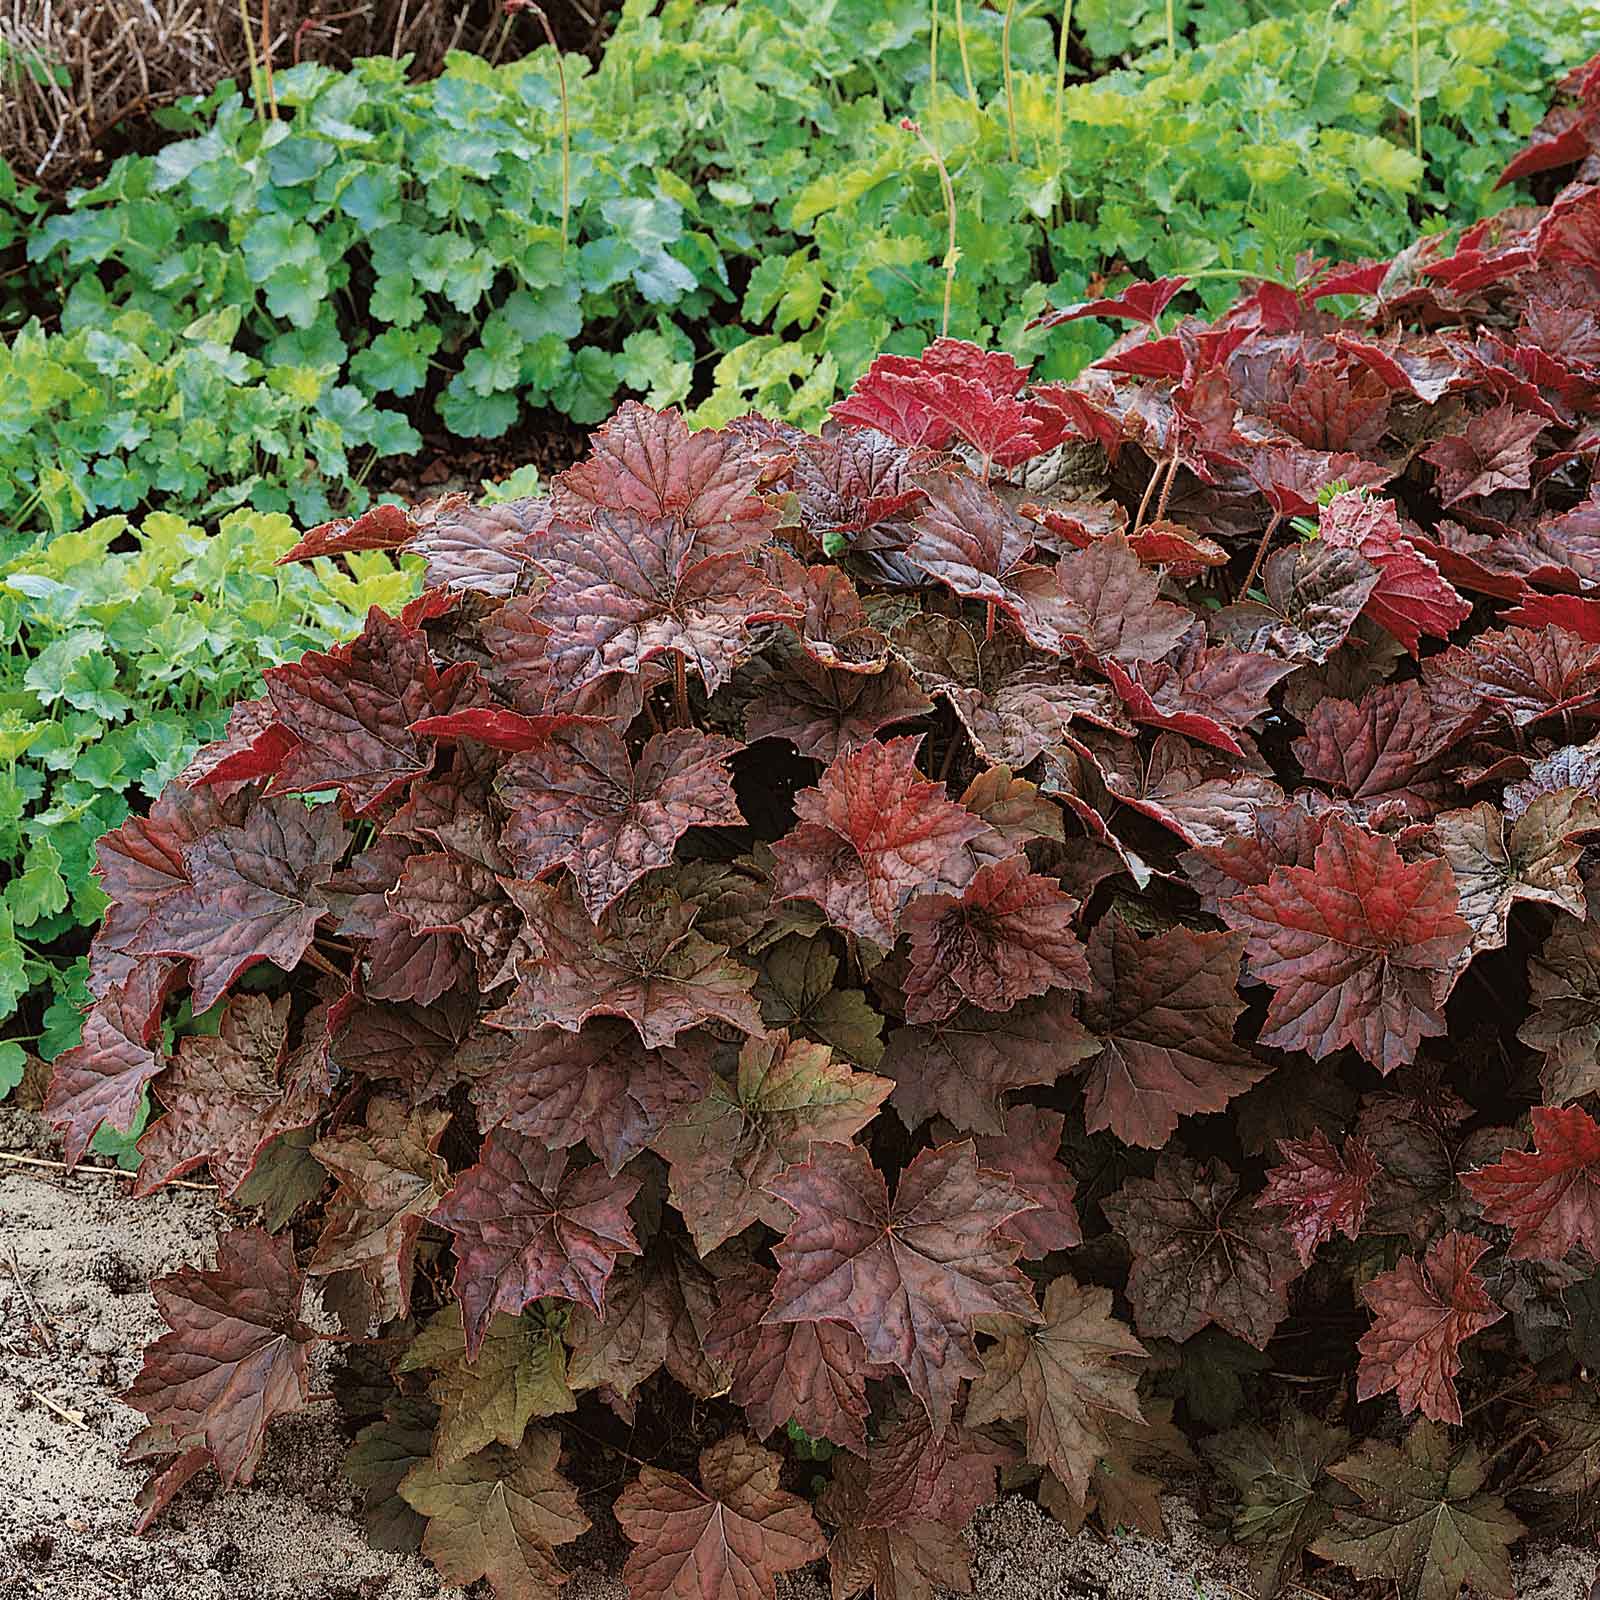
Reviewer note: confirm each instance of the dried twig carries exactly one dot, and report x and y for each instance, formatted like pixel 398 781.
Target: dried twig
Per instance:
pixel 21 1282
pixel 74 1417
pixel 99 1172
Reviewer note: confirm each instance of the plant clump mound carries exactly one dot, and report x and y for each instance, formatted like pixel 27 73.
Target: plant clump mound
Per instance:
pixel 856 969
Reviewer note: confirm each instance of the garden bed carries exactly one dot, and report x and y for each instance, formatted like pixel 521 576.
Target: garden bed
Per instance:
pixel 87 1256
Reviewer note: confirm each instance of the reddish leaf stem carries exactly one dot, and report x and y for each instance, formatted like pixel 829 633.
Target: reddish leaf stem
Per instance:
pixel 1260 555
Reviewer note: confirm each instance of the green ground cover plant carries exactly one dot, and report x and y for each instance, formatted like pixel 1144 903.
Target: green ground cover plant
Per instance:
pixel 124 647
pixel 261 310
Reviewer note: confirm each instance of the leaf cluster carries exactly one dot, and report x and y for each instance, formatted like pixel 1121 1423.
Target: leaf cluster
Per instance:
pixel 993 998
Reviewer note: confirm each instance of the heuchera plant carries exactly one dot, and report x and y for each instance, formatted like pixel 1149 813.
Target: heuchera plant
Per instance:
pixel 973 942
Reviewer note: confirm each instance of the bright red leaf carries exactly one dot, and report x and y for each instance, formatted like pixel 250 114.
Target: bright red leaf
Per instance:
pixel 1358 948
pixel 1412 597
pixel 1139 302
pixel 1548 1196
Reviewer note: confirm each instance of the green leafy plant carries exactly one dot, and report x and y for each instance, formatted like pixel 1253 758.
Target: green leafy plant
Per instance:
pixel 384 256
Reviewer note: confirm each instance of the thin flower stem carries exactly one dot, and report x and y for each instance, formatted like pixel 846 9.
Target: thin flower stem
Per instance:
pixel 250 52
pixel 1416 82
pixel 266 58
pixel 1144 499
pixel 681 686
pixel 1168 481
pixel 1061 71
pixel 966 64
pixel 1005 62
pixel 952 253
pixel 1164 472
pixel 1172 38
pixel 566 127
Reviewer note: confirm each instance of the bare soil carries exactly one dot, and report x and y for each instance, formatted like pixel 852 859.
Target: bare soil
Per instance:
pixel 75 1258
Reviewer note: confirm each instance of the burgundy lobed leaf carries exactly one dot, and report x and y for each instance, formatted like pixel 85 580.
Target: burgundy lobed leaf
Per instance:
pixel 810 1373
pixel 1321 1190
pixel 860 858
pixel 227 1096
pixel 660 1310
pixel 627 591
pixel 826 712
pixel 1423 1313
pixel 912 1276
pixel 582 802
pixel 1312 596
pixel 727 1539
pixel 1027 1152
pixel 1521 674
pixel 1006 937
pixel 962 1066
pixel 1359 948
pixel 525 1227
pixel 102 1079
pixel 1202 1253
pixel 1383 755
pixel 236 1354
pixel 599 1086
pixel 650 463
pixel 352 712
pixel 1161 1012
pixel 1494 451
pixel 968 539
pixel 1012 703
pixel 1107 602
pixel 1550 1196
pixel 256 892
pixel 642 962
